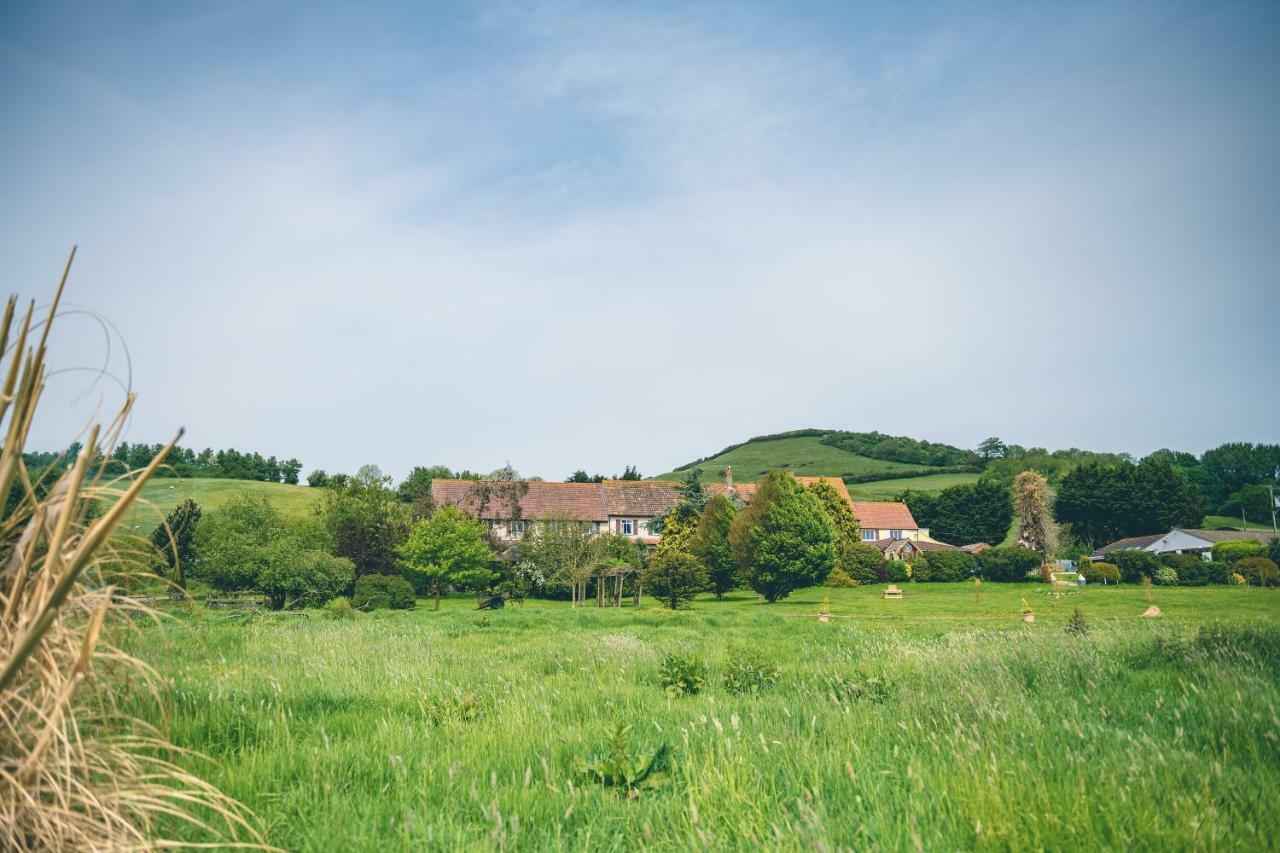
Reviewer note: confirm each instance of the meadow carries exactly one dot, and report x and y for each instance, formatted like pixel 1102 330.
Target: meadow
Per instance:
pixel 804 455
pixel 162 494
pixel 940 721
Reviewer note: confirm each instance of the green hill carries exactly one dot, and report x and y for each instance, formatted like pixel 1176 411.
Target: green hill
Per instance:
pixel 162 494
pixel 817 452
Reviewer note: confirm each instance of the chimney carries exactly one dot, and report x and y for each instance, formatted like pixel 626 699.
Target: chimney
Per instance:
pixel 728 477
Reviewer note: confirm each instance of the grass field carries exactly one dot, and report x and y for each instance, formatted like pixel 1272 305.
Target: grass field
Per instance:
pixel 805 455
pixel 935 722
pixel 884 490
pixel 1212 522
pixel 162 494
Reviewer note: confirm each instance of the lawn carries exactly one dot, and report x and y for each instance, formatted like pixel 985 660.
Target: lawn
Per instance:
pixel 162 494
pixel 940 721
pixel 805 455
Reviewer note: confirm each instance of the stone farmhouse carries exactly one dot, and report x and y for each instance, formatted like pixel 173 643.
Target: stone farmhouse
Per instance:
pixel 629 508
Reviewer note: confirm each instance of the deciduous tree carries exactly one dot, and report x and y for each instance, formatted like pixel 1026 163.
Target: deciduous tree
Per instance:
pixel 447 548
pixel 783 540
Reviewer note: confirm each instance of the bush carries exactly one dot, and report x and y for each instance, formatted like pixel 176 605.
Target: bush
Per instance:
pixel 1217 572
pixel 943 566
pixel 682 675
pixel 1238 579
pixel 1259 571
pixel 839 579
pixel 1165 576
pixel 897 571
pixel 374 592
pixel 1133 564
pixel 865 563
pixel 302 578
pixel 1101 572
pixel 748 672
pixel 340 608
pixel 1230 552
pixel 1009 563
pixel 1192 569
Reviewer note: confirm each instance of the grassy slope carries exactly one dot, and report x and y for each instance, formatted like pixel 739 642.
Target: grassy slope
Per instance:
pixel 161 495
pixel 417 730
pixel 1212 522
pixel 804 455
pixel 883 490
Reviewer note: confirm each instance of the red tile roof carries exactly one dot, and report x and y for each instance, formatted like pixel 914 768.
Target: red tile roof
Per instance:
pixel 884 515
pixel 542 501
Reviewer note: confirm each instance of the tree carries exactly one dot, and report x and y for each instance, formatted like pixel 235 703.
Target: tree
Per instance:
pixel 631 473
pixel 289 470
pixel 783 540
pixel 1103 503
pixel 674 577
pixel 992 448
pixel 964 514
pixel 1252 502
pixel 1009 563
pixel 366 522
pixel 448 548
pixel 247 545
pixel 290 576
pixel 711 544
pixel 1032 502
pixel 840 514
pixel 174 539
pixel 318 479
pixel 581 476
pixel 1230 467
pixel 563 551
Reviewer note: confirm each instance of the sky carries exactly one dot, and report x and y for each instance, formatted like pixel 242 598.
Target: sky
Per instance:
pixel 569 235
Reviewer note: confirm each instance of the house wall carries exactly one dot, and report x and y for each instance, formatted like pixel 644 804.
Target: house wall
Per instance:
pixel 905 533
pixel 642 525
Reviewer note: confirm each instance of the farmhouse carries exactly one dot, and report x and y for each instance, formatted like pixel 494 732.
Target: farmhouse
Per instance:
pixel 630 507
pixel 1182 541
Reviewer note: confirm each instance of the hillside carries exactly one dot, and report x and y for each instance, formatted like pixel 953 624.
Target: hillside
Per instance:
pixel 161 495
pixel 809 454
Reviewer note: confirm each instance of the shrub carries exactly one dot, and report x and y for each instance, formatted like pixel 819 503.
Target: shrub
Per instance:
pixel 1238 579
pixel 302 578
pixel 1007 564
pixel 865 563
pixel 1192 569
pixel 340 608
pixel 1217 572
pixel 1259 571
pixel 1230 552
pixel 839 579
pixel 682 674
pixel 374 592
pixel 1133 564
pixel 1101 573
pixel 943 566
pixel 1076 624
pixel 674 577
pixel 896 571
pixel 749 672
pixel 1165 576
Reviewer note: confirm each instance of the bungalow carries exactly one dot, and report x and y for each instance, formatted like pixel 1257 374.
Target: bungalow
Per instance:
pixel 630 507
pixel 1182 540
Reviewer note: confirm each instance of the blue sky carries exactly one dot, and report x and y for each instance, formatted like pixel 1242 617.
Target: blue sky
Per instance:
pixel 571 235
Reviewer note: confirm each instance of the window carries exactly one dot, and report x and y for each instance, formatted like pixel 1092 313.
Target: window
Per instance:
pixel 627 526
pixel 868 535
pixel 516 528
pixel 895 534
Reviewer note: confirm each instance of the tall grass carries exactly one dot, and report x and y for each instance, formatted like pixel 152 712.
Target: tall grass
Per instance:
pixel 77 772
pixel 927 730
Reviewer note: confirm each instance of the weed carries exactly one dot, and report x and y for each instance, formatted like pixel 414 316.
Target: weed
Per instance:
pixel 682 674
pixel 619 768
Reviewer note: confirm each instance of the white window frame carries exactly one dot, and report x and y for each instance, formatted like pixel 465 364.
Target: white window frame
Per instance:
pixel 895 534
pixel 868 534
pixel 627 526
pixel 516 528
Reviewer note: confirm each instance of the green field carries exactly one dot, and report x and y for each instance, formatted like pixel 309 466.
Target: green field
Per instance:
pixel 162 494
pixel 937 722
pixel 884 490
pixel 805 455
pixel 1212 522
